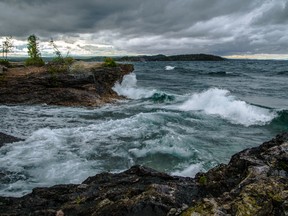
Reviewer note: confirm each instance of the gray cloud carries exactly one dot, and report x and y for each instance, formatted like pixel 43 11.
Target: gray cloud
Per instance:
pixel 222 27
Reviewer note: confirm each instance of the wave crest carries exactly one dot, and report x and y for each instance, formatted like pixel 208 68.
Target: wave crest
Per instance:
pixel 219 102
pixel 128 88
pixel 168 67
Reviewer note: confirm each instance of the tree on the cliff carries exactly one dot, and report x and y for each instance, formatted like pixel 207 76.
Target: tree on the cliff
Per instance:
pixel 34 52
pixel 6 47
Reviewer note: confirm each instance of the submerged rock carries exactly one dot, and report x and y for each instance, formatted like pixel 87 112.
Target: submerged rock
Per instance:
pixel 5 138
pixel 78 87
pixel 253 183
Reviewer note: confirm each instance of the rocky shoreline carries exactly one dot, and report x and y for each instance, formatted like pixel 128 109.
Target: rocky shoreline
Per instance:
pixel 255 182
pixel 76 87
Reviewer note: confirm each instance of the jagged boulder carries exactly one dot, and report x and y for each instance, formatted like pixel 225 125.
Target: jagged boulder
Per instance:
pixel 5 138
pixel 255 182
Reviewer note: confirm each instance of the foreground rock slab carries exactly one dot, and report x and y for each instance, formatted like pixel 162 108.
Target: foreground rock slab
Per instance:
pixel 255 182
pixel 82 86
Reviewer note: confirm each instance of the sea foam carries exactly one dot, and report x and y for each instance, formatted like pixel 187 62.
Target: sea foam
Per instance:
pixel 168 67
pixel 220 102
pixel 189 171
pixel 128 88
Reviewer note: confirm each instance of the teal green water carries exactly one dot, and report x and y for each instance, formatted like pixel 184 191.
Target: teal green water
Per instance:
pixel 179 117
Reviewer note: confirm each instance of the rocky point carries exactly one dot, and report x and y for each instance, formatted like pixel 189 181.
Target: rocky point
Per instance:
pixel 84 84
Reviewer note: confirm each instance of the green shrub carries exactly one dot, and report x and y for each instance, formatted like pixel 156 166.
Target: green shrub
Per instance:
pixel 57 68
pixel 69 60
pixel 109 62
pixel 203 180
pixel 35 62
pixel 5 62
pixel 60 64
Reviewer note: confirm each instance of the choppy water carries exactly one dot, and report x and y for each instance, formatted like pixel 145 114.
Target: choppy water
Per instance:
pixel 180 117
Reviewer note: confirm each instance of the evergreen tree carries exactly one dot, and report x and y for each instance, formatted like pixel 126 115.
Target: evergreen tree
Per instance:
pixel 33 52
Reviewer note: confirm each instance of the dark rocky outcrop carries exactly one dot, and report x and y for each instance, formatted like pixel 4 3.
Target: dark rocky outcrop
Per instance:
pixel 188 57
pixel 5 138
pixel 253 183
pixel 91 87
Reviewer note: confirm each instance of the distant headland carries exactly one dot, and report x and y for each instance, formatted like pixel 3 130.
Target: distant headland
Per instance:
pixel 188 57
pixel 160 57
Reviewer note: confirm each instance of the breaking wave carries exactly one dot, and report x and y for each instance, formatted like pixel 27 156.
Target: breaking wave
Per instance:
pixel 220 102
pixel 168 67
pixel 128 88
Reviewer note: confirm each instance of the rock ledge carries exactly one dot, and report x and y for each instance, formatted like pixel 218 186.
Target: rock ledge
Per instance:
pixel 91 87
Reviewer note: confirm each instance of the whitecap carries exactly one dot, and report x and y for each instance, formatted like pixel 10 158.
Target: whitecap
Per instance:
pixel 168 67
pixel 220 102
pixel 176 151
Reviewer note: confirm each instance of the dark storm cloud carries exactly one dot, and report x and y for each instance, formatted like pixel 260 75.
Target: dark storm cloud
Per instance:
pixel 58 16
pixel 276 14
pixel 162 26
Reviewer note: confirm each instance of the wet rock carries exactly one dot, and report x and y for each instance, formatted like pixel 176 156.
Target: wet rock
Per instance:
pixel 5 138
pixel 137 191
pixel 253 183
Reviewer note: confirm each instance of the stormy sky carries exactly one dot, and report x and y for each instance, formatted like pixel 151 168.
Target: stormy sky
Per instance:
pixel 120 27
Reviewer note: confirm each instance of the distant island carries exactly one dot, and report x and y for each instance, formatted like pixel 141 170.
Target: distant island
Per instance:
pixel 160 57
pixel 188 57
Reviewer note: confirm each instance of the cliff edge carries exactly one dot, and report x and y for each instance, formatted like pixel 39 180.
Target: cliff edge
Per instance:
pixel 84 84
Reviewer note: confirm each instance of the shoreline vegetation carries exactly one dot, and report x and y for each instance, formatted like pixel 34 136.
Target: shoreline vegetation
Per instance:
pixel 253 183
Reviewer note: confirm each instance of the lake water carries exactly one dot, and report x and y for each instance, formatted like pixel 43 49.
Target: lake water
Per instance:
pixel 179 117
